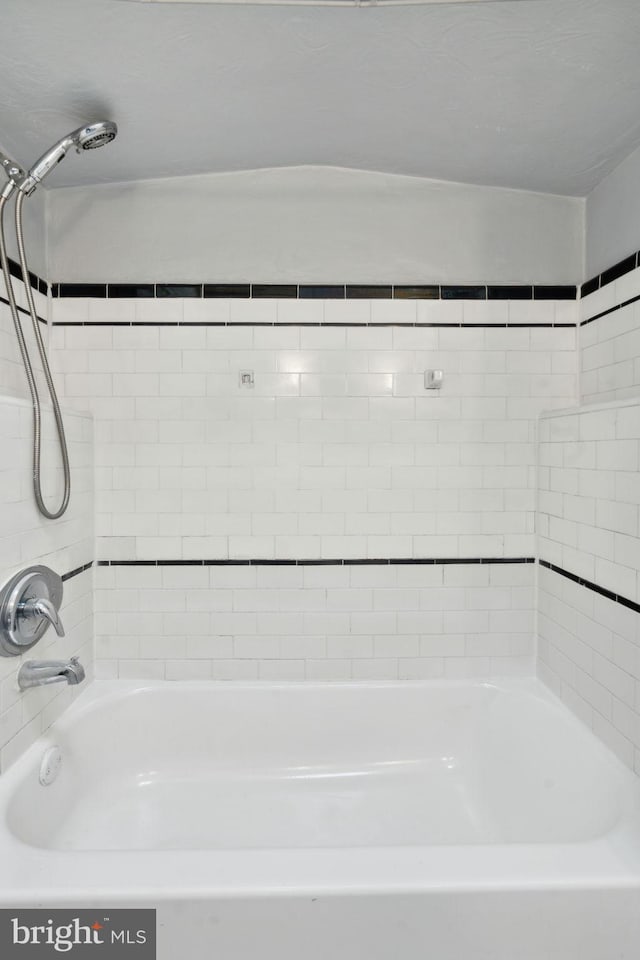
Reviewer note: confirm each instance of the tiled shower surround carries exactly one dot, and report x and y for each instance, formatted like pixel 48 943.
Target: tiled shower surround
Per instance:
pixel 589 516
pixel 337 452
pixel 589 589
pixel 335 519
pixel 610 339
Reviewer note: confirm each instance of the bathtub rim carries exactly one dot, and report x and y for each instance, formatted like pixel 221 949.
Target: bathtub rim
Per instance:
pixel 37 874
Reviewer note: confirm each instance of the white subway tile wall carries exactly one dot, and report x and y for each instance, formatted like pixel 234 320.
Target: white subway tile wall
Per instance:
pixel 26 538
pixel 337 449
pixel 398 621
pixel 589 645
pixel 589 494
pixel 13 381
pixel 610 346
pixel 588 654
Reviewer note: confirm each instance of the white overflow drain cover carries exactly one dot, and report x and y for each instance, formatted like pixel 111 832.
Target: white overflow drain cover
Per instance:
pixel 50 766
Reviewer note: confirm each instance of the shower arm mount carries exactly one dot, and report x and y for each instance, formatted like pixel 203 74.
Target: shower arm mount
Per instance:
pixel 13 170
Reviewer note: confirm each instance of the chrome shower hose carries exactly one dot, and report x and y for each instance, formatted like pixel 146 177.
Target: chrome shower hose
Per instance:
pixel 24 352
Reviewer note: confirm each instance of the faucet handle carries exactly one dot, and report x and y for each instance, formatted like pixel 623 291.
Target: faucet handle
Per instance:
pixel 29 604
pixel 39 607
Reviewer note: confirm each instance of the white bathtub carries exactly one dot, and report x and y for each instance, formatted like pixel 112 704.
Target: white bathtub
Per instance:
pixel 343 821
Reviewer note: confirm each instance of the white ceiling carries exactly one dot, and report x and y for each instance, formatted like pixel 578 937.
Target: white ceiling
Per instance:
pixel 542 95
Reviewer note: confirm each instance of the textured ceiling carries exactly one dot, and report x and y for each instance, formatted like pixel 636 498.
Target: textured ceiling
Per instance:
pixel 542 95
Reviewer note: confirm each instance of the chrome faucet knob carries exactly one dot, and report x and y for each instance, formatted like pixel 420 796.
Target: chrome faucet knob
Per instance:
pixel 29 603
pixel 40 608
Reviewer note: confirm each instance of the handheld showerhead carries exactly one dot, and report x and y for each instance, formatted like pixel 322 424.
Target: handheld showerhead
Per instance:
pixel 95 135
pixel 89 137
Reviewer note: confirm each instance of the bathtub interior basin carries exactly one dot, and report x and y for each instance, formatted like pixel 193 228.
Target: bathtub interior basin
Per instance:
pixel 215 766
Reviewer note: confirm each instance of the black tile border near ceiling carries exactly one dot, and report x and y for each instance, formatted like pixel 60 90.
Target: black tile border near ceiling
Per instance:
pixel 260 291
pixel 35 281
pixel 306 292
pixel 331 291
pixel 619 269
pixel 326 291
pixel 594 587
pixel 610 274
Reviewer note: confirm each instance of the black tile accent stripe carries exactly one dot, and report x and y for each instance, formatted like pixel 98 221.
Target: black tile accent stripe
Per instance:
pixel 610 274
pixel 318 291
pixel 619 269
pixel 98 290
pixel 325 291
pixel 609 594
pixel 315 291
pixel 126 563
pixel 15 269
pixel 590 286
pixel 554 292
pixel 510 293
pixel 359 291
pixel 78 570
pixel 426 292
pixel 345 562
pixel 605 313
pixel 274 290
pixel 303 323
pixel 179 290
pixel 36 282
pixel 364 561
pixel 463 293
pixel 228 290
pixel 23 310
pixel 134 290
